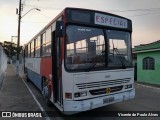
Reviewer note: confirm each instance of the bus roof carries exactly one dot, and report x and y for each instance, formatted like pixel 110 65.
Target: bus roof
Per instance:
pixel 78 9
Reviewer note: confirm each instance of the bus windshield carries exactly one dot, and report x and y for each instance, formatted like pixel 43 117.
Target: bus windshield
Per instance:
pixel 119 51
pixel 86 48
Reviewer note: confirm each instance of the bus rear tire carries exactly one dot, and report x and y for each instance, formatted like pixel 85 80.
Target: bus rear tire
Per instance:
pixel 48 102
pixel 27 79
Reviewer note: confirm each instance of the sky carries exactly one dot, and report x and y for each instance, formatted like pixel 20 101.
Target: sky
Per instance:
pixel 145 16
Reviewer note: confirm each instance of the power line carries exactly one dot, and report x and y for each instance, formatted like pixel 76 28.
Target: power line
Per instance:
pixel 144 14
pixel 44 15
pixel 130 10
pixel 33 22
pixel 23 1
pixel 139 10
pixel 135 10
pixel 44 7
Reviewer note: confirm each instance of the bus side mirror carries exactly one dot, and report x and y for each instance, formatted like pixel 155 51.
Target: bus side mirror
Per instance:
pixel 59 29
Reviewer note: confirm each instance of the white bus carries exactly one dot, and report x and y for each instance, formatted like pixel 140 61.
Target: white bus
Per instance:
pixel 82 60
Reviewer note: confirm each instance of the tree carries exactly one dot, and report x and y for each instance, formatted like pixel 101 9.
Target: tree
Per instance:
pixel 10 48
pixel 1 43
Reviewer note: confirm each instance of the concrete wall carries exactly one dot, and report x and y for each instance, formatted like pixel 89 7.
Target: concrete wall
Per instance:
pixel 148 76
pixel 3 63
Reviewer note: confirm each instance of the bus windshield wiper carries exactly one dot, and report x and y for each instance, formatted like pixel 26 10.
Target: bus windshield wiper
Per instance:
pixel 94 61
pixel 120 58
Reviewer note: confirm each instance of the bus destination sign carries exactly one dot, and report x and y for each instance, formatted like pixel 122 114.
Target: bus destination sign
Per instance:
pixel 111 21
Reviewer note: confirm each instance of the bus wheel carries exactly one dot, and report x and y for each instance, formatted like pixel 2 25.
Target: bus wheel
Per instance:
pixel 27 78
pixel 46 92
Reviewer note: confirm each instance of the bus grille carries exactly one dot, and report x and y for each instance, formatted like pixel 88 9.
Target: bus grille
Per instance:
pixel 102 83
pixel 104 90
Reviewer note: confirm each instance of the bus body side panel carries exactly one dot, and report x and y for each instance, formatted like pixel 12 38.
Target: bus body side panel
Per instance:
pixel 33 71
pixel 46 71
pixel 35 78
pixel 46 67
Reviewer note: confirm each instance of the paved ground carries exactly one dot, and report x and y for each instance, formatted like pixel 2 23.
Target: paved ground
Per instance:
pixel 1 79
pixel 14 96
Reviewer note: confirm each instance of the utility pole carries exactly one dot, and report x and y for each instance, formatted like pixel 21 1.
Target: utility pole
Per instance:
pixel 19 26
pixel 18 41
pixel 11 47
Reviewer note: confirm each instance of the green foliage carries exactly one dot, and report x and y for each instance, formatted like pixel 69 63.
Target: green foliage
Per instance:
pixel 10 48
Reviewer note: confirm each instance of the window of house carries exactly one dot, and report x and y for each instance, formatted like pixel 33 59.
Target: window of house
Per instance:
pixel 148 63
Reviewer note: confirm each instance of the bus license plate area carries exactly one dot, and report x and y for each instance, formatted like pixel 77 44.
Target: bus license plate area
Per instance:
pixel 108 100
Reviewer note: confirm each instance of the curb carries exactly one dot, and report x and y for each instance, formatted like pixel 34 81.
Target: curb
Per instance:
pixel 1 79
pixel 147 86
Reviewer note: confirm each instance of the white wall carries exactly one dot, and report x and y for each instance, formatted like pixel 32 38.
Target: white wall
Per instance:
pixel 3 62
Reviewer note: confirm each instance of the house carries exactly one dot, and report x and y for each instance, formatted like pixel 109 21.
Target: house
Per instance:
pixel 148 62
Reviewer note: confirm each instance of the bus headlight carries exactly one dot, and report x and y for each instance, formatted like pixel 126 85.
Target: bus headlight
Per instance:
pixel 80 94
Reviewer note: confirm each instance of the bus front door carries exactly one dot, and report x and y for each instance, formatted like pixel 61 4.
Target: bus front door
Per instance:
pixel 57 70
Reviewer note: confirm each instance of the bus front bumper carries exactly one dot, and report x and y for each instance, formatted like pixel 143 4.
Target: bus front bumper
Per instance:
pixel 71 107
